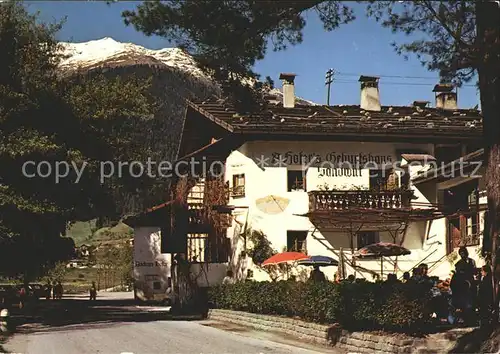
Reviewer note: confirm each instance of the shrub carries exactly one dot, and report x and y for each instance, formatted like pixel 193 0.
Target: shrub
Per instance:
pixel 358 306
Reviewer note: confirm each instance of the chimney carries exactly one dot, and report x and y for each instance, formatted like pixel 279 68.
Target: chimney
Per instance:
pixel 420 104
pixel 446 98
pixel 370 96
pixel 288 90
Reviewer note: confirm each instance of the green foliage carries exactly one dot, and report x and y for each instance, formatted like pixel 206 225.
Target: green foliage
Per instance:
pixel 116 261
pixel 447 30
pixel 228 37
pixel 359 306
pixel 261 248
pixel 57 273
pixel 80 119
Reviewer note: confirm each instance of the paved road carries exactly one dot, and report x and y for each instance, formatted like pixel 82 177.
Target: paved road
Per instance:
pixel 132 331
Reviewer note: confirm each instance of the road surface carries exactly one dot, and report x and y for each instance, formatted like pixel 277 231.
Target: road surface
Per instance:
pixel 110 327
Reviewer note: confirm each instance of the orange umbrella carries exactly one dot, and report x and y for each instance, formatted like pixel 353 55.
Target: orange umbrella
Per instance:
pixel 285 257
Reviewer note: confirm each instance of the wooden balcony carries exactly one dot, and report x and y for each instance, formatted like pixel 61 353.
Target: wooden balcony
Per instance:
pixel 338 200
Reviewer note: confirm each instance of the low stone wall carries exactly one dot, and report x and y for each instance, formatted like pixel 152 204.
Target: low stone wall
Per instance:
pixel 356 342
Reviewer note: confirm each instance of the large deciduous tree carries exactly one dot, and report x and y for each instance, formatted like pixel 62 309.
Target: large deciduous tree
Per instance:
pixel 75 121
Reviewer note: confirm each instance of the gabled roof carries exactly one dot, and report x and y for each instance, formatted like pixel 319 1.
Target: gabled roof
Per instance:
pixel 345 120
pixel 465 163
pixel 418 157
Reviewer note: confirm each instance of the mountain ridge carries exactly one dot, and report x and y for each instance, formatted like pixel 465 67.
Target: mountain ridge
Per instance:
pixel 109 53
pixel 175 78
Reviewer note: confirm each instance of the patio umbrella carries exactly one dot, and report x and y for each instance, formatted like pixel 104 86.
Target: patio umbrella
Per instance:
pixel 272 204
pixel 285 257
pixel 322 261
pixel 381 250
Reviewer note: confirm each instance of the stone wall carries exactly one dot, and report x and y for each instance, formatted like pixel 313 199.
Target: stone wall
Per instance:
pixel 357 342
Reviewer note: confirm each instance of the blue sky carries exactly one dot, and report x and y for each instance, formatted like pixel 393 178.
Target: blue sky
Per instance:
pixel 360 48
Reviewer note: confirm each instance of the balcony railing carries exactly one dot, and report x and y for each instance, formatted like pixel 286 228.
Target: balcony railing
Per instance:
pixel 336 199
pixel 238 191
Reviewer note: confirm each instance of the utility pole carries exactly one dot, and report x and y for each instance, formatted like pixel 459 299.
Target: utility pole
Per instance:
pixel 328 82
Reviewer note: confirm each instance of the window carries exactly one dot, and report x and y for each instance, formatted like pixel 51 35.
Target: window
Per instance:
pixel 382 180
pixel 296 241
pixel 463 197
pixel 447 153
pixel 471 227
pixel 463 230
pixel 197 248
pixel 156 285
pixel 296 180
pixel 238 186
pixel 366 238
pixel 205 248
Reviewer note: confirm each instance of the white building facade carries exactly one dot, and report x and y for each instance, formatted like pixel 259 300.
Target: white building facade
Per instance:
pixel 273 200
pixel 327 180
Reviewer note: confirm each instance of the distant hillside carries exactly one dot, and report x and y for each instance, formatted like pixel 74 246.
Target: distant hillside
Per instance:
pixel 85 233
pixel 175 78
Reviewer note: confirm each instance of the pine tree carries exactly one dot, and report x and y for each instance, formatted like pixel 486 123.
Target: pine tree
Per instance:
pixel 228 37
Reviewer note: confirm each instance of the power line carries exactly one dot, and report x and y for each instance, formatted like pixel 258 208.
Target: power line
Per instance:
pixel 392 76
pixel 397 83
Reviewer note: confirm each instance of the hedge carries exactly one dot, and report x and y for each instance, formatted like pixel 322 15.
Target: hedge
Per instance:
pixel 356 306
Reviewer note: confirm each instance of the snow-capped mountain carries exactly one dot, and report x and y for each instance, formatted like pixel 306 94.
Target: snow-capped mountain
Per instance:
pixel 175 77
pixel 107 52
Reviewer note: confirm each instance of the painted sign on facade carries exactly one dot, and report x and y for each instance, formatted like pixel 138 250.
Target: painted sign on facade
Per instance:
pixel 332 158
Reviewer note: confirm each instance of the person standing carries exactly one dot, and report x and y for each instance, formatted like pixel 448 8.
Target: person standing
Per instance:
pixel 485 296
pixel 48 290
pixel 466 267
pixel 58 291
pixel 466 264
pixel 22 297
pixel 93 292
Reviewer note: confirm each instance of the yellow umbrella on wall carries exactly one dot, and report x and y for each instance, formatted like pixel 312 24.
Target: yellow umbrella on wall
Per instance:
pixel 272 204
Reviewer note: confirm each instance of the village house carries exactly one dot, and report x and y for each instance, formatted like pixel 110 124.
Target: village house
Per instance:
pixel 324 180
pixel 459 192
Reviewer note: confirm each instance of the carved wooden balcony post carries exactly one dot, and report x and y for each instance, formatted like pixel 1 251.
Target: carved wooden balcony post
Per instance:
pixel 337 199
